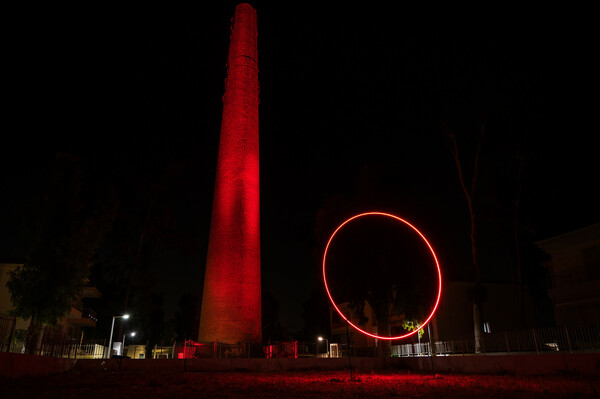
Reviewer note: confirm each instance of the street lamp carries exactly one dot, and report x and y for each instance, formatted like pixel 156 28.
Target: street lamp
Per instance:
pixel 131 334
pixel 326 342
pixel 125 316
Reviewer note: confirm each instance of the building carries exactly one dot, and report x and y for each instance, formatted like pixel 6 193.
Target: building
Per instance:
pixel 78 317
pixel 575 275
pixel 81 316
pixel 500 310
pixel 139 352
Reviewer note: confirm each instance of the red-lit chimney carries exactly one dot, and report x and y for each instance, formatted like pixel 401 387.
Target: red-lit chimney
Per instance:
pixel 231 308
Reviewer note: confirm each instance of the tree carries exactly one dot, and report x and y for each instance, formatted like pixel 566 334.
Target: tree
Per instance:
pixel 469 187
pixel 490 159
pixel 272 330
pixel 187 317
pixel 153 321
pixel 63 229
pixel 139 244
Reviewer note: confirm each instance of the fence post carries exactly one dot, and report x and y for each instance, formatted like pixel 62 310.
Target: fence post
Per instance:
pixel 349 361
pixel 506 340
pixel 54 345
pixel 590 333
pixel 12 330
pixel 10 336
pixel 483 343
pixel 431 350
pixel 43 335
pixel 537 352
pixel 568 340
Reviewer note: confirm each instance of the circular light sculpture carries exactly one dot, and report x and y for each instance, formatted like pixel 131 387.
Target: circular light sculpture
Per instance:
pixel 437 264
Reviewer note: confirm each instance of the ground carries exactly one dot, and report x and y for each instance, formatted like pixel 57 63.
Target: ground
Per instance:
pixel 305 384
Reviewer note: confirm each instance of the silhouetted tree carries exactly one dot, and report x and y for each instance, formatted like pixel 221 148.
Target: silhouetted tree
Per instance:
pixel 315 314
pixel 153 321
pixel 187 317
pixel 63 228
pixel 144 231
pixel 468 178
pixel 272 330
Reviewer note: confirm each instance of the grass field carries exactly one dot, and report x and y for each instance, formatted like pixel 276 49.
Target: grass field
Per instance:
pixel 305 384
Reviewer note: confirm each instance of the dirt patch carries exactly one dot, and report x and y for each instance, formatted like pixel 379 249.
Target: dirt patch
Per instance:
pixel 305 384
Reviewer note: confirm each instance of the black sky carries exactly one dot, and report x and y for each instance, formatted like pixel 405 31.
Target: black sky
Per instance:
pixel 342 89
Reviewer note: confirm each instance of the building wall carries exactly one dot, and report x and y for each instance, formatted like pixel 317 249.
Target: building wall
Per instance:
pixel 139 352
pixel 72 322
pixel 575 269
pixel 500 310
pixel 338 326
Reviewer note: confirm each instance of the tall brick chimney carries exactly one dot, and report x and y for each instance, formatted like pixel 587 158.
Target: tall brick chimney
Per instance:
pixel 231 304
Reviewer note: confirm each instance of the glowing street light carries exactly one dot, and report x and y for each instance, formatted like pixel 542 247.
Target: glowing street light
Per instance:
pixel 125 316
pixel 131 334
pixel 326 342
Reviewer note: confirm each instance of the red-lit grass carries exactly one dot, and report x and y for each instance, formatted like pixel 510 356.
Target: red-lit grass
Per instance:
pixel 305 384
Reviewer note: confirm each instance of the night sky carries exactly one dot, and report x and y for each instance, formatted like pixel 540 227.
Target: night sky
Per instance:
pixel 353 106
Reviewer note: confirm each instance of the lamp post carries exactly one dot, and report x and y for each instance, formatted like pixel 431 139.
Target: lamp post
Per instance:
pixel 326 342
pixel 125 316
pixel 131 334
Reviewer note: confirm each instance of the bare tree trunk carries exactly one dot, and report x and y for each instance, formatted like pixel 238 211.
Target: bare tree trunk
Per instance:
pixel 384 345
pixel 520 301
pixel 469 196
pixel 383 311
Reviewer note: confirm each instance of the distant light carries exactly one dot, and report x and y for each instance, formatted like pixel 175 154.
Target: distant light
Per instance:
pixel 125 316
pixel 320 338
pixel 133 334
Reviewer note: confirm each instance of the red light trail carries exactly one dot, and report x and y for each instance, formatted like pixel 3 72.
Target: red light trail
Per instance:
pixel 437 264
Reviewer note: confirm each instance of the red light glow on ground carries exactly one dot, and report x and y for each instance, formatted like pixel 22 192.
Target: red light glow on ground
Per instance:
pixel 437 264
pixel 295 384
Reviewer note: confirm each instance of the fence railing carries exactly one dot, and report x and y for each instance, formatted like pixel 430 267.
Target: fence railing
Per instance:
pixel 573 338
pixel 48 341
pixel 36 339
pixel 89 351
pixel 7 327
pixel 216 350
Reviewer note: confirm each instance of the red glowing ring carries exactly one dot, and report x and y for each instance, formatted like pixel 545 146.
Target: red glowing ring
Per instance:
pixel 437 264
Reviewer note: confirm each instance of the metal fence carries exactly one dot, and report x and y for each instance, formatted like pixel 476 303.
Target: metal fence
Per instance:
pixel 48 341
pixel 573 338
pixel 216 350
pixel 36 339
pixel 89 351
pixel 7 327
